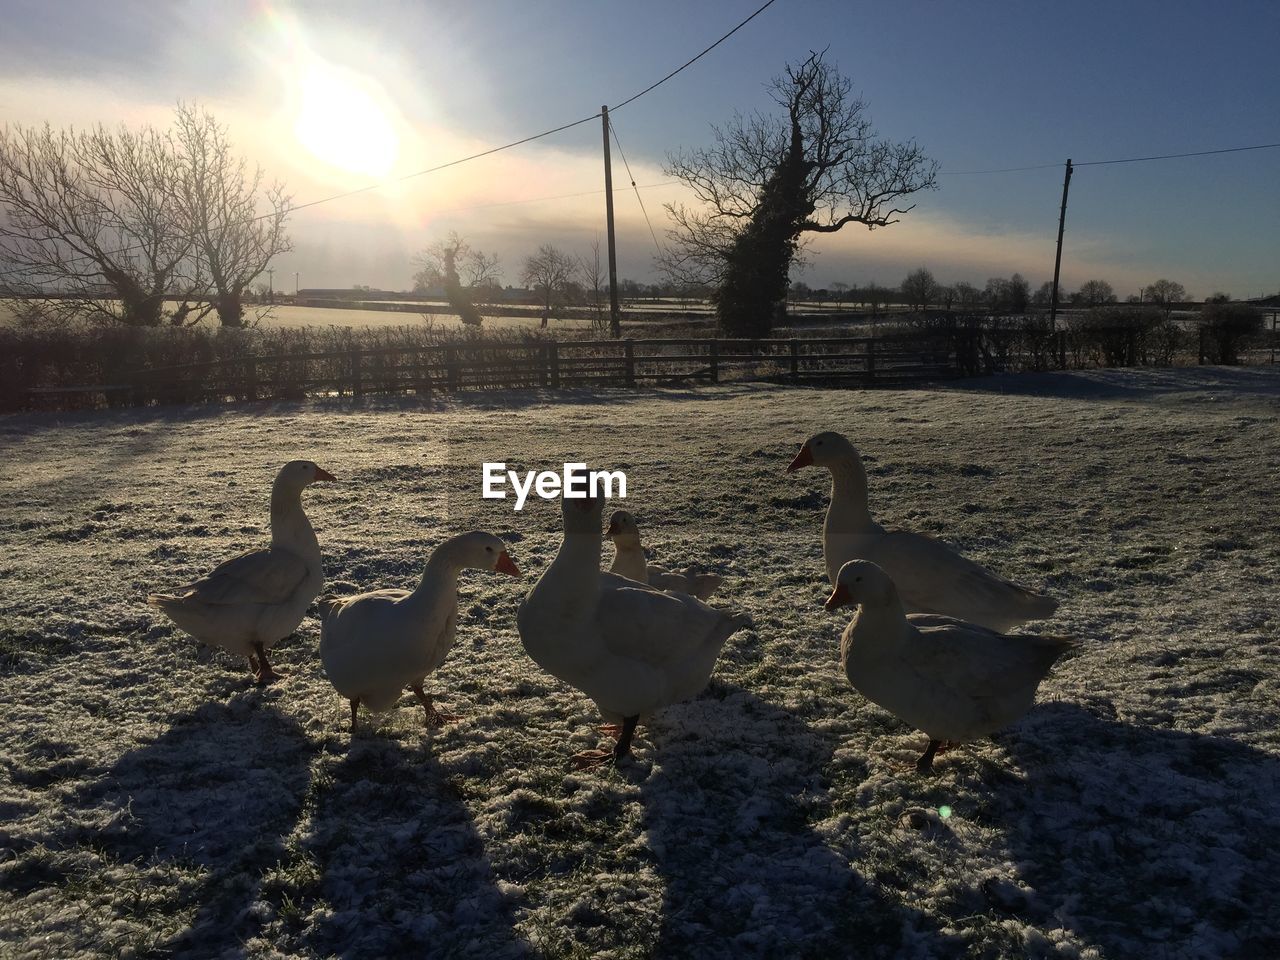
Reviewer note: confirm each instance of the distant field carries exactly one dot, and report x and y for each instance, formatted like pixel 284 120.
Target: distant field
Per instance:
pixel 302 316
pixel 337 317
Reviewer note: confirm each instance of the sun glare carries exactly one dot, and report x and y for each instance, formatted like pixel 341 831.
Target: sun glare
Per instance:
pixel 342 123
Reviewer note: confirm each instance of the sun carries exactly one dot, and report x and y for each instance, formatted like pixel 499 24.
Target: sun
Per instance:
pixel 342 122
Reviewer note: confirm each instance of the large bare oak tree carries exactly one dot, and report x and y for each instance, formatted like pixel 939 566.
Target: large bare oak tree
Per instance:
pixel 89 216
pixel 220 199
pixel 769 180
pixel 109 225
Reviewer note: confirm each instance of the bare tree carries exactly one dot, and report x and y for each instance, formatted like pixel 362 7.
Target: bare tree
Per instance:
pixel 875 296
pixel 89 216
pixel 549 273
pixel 438 266
pixel 919 288
pixel 770 180
pixel 219 198
pixel 1166 293
pixel 595 281
pixel 1095 293
pixel 967 295
pixel 1010 295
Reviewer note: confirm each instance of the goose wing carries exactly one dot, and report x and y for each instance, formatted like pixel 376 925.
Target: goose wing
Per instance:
pixel 979 663
pixel 932 576
pixel 655 628
pixel 257 577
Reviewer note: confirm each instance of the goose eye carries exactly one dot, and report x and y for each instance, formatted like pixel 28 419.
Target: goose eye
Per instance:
pixel 488 549
pixel 857 579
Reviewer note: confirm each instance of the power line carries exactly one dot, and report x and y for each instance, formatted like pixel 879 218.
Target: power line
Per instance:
pixel 695 59
pixel 443 166
pixel 1172 156
pixel 1099 163
pixel 559 196
pixel 966 173
pixel 453 163
pixel 631 177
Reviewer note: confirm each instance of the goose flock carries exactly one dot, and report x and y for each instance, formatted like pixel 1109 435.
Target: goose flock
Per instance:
pixel 929 640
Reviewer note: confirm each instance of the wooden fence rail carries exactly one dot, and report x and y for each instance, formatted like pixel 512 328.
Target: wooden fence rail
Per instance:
pixel 493 365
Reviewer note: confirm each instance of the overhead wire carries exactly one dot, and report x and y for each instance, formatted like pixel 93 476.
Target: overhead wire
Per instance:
pixel 1099 163
pixel 630 176
pixel 690 63
pixel 453 163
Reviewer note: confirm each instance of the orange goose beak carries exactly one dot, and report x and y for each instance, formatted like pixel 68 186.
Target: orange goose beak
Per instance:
pixel 803 459
pixel 507 565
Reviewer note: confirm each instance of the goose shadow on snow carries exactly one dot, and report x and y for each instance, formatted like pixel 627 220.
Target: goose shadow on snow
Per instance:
pixel 221 790
pixel 403 868
pixel 1146 841
pixel 746 874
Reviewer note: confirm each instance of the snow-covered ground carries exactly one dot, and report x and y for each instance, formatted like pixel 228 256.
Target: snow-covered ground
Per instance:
pixel 154 802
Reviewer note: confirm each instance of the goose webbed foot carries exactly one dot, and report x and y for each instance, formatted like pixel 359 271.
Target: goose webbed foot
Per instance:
pixel 434 717
pixel 262 669
pixel 590 759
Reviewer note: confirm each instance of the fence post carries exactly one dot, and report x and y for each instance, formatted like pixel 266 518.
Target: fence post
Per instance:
pixel 451 368
pixel 1202 352
pixel 871 360
pixel 795 359
pixel 553 356
pixel 357 385
pixel 422 375
pixel 629 356
pixel 714 356
pixel 1062 349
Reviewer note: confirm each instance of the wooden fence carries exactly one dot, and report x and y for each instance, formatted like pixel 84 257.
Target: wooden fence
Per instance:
pixel 498 365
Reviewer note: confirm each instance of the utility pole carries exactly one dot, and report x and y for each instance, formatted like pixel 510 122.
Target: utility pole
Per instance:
pixel 1057 261
pixel 615 321
pixel 271 286
pixel 295 283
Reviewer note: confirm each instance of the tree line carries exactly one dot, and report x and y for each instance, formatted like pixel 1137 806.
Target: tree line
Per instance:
pixel 919 290
pixel 138 227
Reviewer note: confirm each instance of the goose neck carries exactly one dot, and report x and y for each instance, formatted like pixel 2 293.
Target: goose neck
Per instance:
pixel 877 626
pixel 849 489
pixel 289 524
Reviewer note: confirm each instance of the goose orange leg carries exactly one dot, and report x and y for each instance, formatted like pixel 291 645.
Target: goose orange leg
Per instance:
pixel 589 759
pixel 434 717
pixel 265 672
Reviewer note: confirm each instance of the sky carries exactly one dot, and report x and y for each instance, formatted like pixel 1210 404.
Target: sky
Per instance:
pixel 330 100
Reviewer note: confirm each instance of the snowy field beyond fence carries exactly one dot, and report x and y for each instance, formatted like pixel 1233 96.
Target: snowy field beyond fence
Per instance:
pixel 153 802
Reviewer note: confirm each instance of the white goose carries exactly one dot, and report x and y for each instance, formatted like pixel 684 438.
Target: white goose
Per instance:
pixel 251 602
pixel 930 576
pixel 630 648
pixel 376 644
pixel 951 679
pixel 629 562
